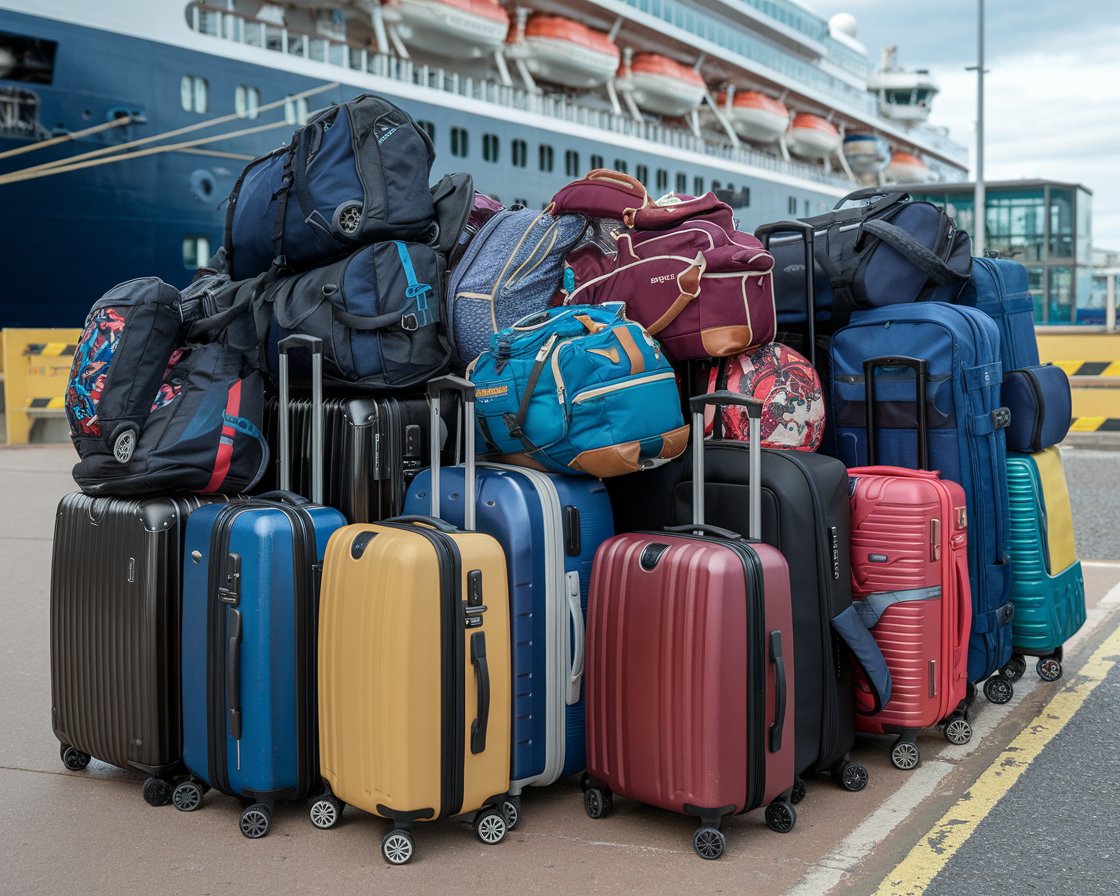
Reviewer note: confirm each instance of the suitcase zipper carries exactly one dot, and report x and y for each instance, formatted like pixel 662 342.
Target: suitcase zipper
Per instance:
pixel 588 394
pixel 1040 401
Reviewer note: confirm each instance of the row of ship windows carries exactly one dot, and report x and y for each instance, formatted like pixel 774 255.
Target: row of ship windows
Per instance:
pixel 194 96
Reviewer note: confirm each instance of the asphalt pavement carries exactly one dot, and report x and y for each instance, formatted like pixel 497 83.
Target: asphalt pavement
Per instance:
pixel 90 832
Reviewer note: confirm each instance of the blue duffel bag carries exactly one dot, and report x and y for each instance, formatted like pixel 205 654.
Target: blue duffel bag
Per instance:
pixel 578 389
pixel 356 173
pixel 1040 404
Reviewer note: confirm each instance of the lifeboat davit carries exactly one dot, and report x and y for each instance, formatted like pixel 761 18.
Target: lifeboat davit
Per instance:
pixel 867 154
pixel 662 85
pixel 756 116
pixel 565 52
pixel 812 137
pixel 455 29
pixel 906 168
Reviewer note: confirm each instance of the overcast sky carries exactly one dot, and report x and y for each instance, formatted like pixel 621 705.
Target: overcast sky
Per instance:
pixel 1051 97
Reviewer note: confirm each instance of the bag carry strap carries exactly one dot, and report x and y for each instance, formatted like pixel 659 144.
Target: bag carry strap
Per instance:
pixel 689 283
pixel 913 251
pixel 889 197
pixel 232 424
pixel 315 346
pixel 851 627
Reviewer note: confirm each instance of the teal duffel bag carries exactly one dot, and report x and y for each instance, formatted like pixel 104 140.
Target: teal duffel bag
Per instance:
pixel 578 389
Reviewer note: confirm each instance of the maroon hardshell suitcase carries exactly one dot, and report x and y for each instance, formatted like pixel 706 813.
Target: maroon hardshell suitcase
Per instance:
pixel 689 666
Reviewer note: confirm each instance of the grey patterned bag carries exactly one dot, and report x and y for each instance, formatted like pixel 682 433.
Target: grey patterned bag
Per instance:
pixel 512 267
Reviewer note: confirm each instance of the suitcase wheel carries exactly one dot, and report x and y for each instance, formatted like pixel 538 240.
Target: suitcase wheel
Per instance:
pixel 187 796
pixel 256 821
pixel 1049 668
pixel 781 816
pixel 709 842
pixel 511 809
pixel 905 755
pixel 597 803
pixel 397 846
pixel 957 730
pixel 157 792
pixel 326 812
pixel 852 776
pixel 490 826
pixel 798 793
pixel 1014 668
pixel 73 758
pixel 998 690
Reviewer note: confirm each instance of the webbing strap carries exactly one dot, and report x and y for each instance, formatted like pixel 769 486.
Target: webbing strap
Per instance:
pixel 416 291
pixel 872 606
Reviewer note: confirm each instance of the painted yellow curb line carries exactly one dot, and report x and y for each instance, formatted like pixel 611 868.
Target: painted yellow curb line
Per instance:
pixel 913 875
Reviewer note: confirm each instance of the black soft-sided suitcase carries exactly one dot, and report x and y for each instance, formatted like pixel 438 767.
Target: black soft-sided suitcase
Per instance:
pixel 115 598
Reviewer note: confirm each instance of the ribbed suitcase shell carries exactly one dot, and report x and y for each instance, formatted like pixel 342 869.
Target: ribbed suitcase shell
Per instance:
pixel 115 598
pixel 279 547
pixel 395 709
pixel 1047 586
pixel 909 533
pixel 549 527
pixel 681 688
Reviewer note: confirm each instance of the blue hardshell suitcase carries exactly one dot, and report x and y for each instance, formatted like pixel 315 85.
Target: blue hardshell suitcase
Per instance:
pixel 251 575
pixel 549 527
pixel 961 389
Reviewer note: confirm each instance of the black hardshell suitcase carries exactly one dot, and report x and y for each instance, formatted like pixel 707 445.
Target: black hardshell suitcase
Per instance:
pixel 374 448
pixel 115 601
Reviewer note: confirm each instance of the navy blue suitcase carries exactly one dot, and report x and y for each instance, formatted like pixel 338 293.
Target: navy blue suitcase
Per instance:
pixel 1000 288
pixel 251 575
pixel 954 352
pixel 549 527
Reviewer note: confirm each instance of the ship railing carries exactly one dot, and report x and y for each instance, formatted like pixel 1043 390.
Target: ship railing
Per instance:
pixel 233 27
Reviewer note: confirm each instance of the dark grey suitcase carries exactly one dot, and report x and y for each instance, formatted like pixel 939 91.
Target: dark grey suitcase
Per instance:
pixel 115 588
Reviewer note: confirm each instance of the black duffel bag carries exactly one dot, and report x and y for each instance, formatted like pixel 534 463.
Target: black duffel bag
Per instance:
pixel 875 248
pixel 378 312
pixel 356 173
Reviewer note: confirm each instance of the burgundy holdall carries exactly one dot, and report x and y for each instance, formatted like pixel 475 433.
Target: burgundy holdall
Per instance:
pixel 701 287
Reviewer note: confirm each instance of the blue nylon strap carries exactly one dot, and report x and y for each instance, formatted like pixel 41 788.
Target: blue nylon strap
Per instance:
pixel 984 376
pixel 871 607
pixel 416 290
pixel 982 623
pixel 247 427
pixel 865 649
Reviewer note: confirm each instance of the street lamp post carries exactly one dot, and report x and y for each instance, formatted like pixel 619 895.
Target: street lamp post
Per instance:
pixel 978 236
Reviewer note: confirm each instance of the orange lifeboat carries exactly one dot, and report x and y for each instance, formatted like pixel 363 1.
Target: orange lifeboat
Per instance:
pixel 812 137
pixel 907 168
pixel 756 116
pixel 564 51
pixel 662 85
pixel 455 29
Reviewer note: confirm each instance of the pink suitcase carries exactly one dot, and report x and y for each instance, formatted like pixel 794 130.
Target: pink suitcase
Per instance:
pixel 689 666
pixel 910 586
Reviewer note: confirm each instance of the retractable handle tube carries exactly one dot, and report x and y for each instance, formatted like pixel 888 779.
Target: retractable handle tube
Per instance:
pixel 436 388
pixel 315 346
pixel 918 365
pixel 808 235
pixel 754 414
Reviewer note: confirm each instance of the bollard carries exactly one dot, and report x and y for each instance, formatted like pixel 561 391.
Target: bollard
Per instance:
pixel 36 369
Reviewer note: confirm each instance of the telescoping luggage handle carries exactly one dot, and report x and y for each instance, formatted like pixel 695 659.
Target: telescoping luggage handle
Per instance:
pixel 315 346
pixel 918 365
pixel 808 236
pixel 436 388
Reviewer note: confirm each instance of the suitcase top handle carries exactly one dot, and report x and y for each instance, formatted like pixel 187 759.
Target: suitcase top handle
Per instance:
pixel 754 414
pixel 436 388
pixel 314 345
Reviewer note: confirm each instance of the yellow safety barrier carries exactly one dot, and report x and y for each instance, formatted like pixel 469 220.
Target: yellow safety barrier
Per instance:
pixel 36 368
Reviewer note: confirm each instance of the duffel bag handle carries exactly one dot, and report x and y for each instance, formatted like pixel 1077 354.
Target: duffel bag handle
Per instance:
pixel 315 345
pixel 890 197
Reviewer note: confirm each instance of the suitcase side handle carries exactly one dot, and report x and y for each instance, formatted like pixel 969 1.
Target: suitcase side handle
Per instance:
pixel 754 414
pixel 575 610
pixel 482 676
pixel 314 345
pixel 436 388
pixel 918 365
pixel 779 691
pixel 808 234
pixel 233 673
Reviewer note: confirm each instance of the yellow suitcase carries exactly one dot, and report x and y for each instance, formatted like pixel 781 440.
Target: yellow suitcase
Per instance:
pixel 414 669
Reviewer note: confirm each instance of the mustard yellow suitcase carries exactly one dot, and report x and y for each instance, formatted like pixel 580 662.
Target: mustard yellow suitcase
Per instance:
pixel 414 669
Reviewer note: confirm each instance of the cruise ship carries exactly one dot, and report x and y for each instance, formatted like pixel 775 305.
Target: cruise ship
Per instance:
pixel 123 125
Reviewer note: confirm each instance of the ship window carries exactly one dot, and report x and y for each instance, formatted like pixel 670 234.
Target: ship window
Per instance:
pixel 792 206
pixel 682 182
pixel 806 207
pixel 296 110
pixel 545 157
pixel 26 58
pixel 429 129
pixel 642 173
pixel 459 142
pixel 698 186
pixel 571 163
pixel 620 165
pixel 196 251
pixel 662 180
pixel 520 153
pixel 597 162
pixel 715 185
pixel 194 93
pixel 490 147
pixel 247 101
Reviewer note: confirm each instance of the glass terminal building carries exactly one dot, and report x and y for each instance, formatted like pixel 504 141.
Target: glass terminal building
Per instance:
pixel 1047 226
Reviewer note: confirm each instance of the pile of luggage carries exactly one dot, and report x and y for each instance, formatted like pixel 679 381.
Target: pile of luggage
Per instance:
pixel 288 597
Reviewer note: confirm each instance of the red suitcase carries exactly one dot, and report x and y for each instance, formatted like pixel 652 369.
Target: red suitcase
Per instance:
pixel 910 586
pixel 689 666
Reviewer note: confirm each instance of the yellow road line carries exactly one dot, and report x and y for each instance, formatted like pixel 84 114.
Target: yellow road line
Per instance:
pixel 913 875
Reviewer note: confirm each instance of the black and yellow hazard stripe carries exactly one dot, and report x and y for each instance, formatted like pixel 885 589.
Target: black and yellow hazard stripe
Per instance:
pixel 51 349
pixel 47 404
pixel 1095 424
pixel 1075 369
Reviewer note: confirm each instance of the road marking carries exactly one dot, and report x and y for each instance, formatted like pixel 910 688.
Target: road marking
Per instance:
pixel 913 875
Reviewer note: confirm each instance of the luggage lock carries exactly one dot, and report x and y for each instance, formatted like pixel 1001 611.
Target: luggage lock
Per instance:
pixel 230 591
pixel 475 607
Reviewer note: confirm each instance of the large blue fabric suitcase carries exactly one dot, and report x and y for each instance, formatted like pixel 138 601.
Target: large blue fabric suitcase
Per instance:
pixel 250 613
pixel 961 390
pixel 549 527
pixel 999 287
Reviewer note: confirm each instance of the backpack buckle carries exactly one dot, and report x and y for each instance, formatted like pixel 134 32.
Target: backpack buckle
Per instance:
pixel 1001 418
pixel 410 322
